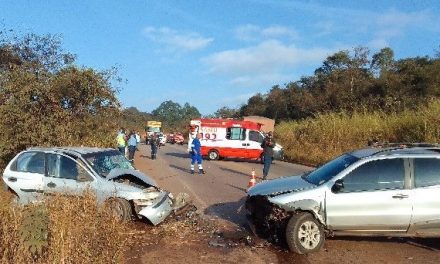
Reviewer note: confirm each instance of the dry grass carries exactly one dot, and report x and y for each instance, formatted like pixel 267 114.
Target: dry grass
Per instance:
pixel 61 230
pixel 316 140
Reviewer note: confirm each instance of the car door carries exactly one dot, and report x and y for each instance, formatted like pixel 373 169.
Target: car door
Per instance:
pixel 426 190
pixel 25 176
pixel 66 175
pixel 254 144
pixel 374 197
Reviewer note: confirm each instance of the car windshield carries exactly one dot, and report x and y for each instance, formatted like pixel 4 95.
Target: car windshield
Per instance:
pixel 104 162
pixel 329 170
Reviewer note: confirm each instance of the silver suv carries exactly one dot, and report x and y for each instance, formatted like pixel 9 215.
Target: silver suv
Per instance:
pixel 39 172
pixel 392 191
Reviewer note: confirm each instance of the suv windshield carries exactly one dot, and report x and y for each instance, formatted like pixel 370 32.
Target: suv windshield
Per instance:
pixel 329 170
pixel 104 162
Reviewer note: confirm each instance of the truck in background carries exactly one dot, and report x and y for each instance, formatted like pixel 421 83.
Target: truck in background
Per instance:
pixel 155 127
pixel 230 138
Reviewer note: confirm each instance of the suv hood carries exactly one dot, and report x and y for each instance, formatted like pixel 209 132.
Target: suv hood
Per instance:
pixel 114 173
pixel 280 186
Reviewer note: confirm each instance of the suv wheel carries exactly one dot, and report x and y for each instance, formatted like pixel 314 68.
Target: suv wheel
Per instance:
pixel 213 155
pixel 304 234
pixel 120 209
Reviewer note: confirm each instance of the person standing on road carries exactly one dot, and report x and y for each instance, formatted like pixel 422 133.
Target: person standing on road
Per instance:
pixel 121 141
pixel 196 154
pixel 154 142
pixel 267 145
pixel 132 144
pixel 138 139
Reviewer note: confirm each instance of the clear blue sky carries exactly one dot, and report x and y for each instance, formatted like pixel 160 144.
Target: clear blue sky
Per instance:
pixel 214 53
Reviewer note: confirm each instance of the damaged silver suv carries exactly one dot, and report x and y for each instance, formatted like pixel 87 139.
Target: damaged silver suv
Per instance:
pixel 38 172
pixel 390 191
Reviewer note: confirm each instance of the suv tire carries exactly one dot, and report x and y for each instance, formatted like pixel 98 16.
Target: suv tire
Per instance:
pixel 304 234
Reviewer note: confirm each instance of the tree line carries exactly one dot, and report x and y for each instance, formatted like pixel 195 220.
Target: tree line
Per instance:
pixel 350 81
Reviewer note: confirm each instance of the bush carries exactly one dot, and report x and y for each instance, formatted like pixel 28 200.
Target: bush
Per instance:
pixel 316 140
pixel 61 230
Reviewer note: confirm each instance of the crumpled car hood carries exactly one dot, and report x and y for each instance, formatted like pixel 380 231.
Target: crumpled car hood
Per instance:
pixel 114 173
pixel 280 186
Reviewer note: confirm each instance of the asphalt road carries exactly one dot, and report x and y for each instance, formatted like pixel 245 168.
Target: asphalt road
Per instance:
pixel 218 193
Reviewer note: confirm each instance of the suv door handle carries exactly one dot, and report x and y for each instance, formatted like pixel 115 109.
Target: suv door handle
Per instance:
pixel 12 179
pixel 51 185
pixel 243 144
pixel 400 196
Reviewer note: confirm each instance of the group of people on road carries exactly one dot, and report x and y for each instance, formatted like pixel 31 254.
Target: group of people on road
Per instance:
pixel 128 144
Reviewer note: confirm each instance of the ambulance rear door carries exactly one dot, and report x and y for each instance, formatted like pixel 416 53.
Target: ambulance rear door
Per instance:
pixel 237 142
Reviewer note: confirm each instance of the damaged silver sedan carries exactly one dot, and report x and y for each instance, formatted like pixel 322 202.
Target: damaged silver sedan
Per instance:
pixel 38 172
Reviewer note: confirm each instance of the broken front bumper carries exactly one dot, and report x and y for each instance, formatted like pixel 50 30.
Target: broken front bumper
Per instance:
pixel 156 213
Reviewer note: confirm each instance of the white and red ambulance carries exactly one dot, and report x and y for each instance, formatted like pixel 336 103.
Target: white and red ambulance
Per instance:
pixel 230 138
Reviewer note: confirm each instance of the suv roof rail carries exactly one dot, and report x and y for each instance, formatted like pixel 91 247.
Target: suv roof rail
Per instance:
pixel 404 145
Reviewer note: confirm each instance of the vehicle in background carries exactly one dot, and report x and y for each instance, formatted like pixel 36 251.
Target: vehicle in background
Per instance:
pixel 153 127
pixel 178 138
pixel 38 172
pixel 229 138
pixel 170 138
pixel 162 139
pixel 386 191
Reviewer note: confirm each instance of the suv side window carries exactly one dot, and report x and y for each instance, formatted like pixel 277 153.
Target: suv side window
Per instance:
pixel 32 162
pixel 426 172
pixel 386 174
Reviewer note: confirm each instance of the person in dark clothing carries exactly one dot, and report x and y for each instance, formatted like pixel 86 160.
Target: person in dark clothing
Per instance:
pixel 267 145
pixel 196 154
pixel 154 143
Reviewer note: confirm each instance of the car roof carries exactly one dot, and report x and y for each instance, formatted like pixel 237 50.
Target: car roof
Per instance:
pixel 71 150
pixel 397 151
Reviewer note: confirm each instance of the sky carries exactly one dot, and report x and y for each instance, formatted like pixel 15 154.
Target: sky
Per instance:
pixel 215 53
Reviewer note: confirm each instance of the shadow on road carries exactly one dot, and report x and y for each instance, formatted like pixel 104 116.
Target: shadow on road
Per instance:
pixel 179 168
pixel 230 211
pixel 432 244
pixel 178 155
pixel 238 188
pixel 235 171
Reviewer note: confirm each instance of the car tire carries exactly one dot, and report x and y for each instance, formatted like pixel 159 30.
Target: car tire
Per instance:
pixel 120 209
pixel 213 154
pixel 304 234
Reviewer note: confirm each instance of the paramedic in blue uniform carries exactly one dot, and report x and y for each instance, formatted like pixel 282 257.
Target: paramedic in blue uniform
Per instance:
pixel 196 154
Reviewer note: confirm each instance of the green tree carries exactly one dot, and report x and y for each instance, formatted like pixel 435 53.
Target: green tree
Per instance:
pixel 47 101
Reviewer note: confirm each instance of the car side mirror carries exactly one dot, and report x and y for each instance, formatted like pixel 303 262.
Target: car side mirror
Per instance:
pixel 339 184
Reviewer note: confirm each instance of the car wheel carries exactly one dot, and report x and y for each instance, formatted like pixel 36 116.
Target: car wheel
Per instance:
pixel 213 155
pixel 304 234
pixel 120 209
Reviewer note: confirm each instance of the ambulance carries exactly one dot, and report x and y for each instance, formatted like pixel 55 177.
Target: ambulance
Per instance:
pixel 231 138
